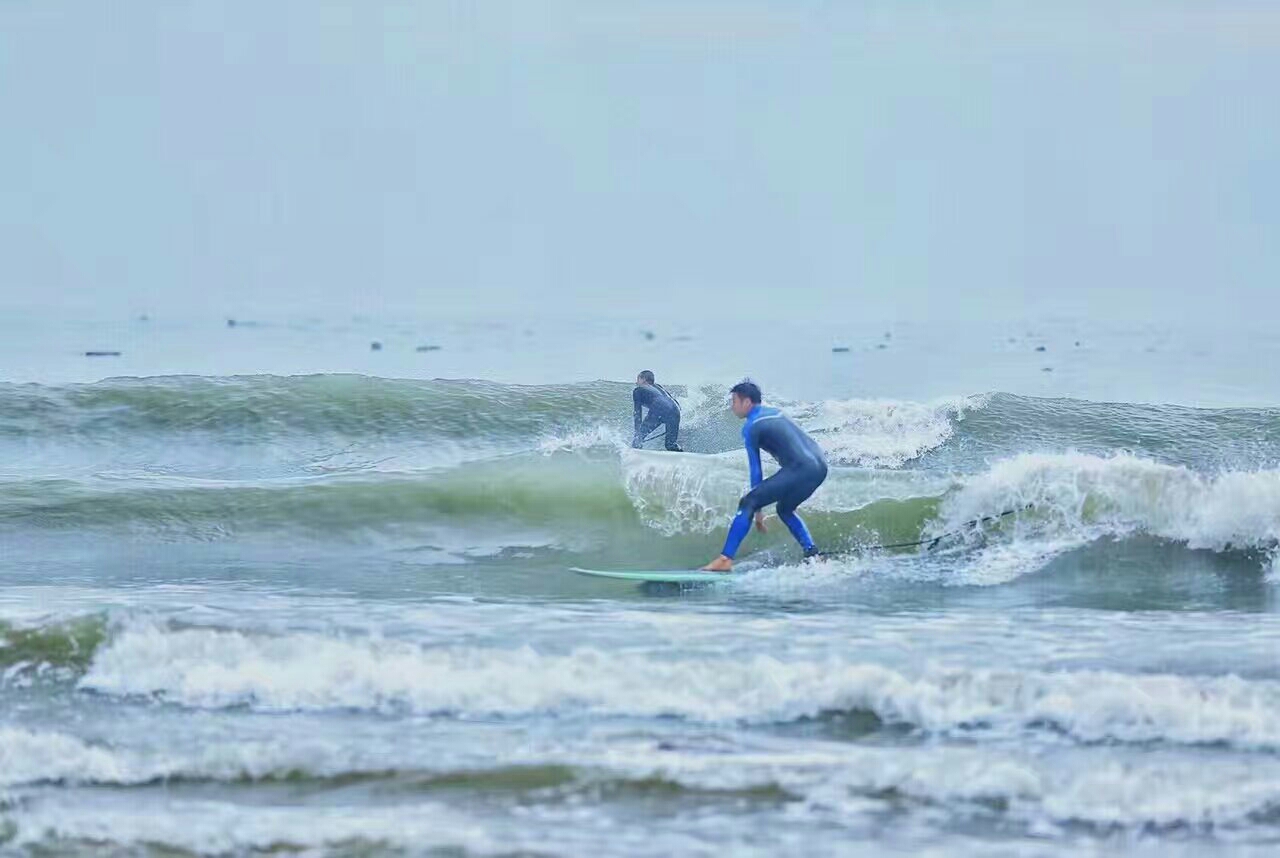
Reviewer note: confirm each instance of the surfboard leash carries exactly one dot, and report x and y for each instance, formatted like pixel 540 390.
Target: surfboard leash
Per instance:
pixel 931 543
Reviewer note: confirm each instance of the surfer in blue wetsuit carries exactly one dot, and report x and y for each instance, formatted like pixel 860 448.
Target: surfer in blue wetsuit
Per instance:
pixel 802 469
pixel 663 411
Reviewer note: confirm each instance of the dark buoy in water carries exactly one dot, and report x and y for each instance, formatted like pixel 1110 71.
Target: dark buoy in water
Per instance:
pixel 881 346
pixel 231 323
pixel 375 346
pixel 1046 369
pixel 888 335
pixel 648 335
pixel 102 354
pixel 428 348
pixel 1040 348
pixel 1077 344
pixel 144 318
pixel 839 349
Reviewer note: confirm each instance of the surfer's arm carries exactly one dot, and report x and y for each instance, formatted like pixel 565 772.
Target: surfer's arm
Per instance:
pixel 757 473
pixel 635 400
pixel 753 455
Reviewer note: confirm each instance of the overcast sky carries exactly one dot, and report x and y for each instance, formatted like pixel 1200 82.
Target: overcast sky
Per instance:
pixel 789 159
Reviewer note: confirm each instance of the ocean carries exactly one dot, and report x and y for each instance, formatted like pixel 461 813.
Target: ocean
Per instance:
pixel 270 590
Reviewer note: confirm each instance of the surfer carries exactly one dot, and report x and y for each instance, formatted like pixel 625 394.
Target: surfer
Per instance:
pixel 663 411
pixel 802 470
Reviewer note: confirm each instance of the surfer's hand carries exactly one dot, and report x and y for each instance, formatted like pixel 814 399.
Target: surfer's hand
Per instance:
pixel 760 523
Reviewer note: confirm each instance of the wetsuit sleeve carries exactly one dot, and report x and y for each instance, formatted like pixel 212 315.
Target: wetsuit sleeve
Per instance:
pixel 635 399
pixel 753 455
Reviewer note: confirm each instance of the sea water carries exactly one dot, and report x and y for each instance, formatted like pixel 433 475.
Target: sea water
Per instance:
pixel 268 589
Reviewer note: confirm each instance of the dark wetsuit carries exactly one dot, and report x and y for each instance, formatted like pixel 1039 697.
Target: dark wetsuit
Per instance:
pixel 803 468
pixel 663 411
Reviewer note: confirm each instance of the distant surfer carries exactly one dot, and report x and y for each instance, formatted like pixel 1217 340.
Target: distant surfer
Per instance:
pixel 802 469
pixel 663 411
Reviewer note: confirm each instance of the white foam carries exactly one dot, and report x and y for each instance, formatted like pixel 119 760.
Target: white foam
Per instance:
pixel 1004 562
pixel 1065 785
pixel 41 756
pixel 585 438
pixel 216 751
pixel 862 432
pixel 28 756
pixel 675 493
pixel 701 402
pixel 880 433
pixel 1090 496
pixel 1273 569
pixel 1185 792
pixel 304 671
pixel 1061 787
pixel 224 828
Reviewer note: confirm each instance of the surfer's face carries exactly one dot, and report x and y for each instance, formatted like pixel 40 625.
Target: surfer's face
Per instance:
pixel 741 405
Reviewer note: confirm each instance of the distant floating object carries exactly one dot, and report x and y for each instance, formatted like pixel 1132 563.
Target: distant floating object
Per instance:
pixel 1046 369
pixel 429 348
pixel 881 346
pixel 144 318
pixel 102 354
pixel 1040 348
pixel 375 346
pixel 1077 344
pixel 888 335
pixel 839 349
pixel 231 323
pixel 648 335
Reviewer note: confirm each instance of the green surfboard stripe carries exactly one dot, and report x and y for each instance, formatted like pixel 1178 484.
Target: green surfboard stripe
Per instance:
pixel 670 576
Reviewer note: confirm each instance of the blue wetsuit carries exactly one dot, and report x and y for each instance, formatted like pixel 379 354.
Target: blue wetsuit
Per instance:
pixel 803 468
pixel 663 411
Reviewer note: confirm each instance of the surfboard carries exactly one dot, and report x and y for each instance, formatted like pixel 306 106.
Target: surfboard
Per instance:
pixel 669 576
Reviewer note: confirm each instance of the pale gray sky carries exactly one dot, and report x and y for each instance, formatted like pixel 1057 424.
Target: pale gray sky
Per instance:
pixel 789 158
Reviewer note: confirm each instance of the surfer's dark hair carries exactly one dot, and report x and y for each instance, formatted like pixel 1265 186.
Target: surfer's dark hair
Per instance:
pixel 747 390
pixel 647 375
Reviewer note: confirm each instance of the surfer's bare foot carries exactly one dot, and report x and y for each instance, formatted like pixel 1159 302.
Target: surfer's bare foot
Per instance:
pixel 720 564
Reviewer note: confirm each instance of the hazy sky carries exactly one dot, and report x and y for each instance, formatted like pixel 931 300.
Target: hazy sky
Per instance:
pixel 791 159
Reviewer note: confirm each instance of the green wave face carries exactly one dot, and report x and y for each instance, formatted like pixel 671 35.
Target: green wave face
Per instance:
pixel 70 644
pixel 455 464
pixel 244 411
